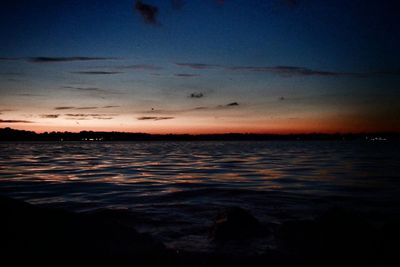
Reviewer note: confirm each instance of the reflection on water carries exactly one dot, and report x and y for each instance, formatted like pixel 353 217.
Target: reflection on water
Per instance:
pixel 187 181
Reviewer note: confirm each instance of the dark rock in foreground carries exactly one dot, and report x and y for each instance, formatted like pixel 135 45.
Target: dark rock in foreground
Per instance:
pixel 33 236
pixel 234 223
pixel 36 235
pixel 337 237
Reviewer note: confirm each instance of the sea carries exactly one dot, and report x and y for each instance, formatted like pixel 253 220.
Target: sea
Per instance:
pixel 174 190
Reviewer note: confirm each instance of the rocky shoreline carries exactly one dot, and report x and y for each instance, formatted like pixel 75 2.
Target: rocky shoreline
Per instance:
pixel 34 236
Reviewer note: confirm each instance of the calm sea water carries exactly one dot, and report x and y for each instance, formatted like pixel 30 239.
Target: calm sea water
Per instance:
pixel 176 188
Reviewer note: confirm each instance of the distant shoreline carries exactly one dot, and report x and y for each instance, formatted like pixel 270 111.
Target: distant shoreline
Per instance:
pixel 8 134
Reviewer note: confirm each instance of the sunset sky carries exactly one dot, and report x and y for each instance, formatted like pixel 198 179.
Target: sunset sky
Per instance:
pixel 200 66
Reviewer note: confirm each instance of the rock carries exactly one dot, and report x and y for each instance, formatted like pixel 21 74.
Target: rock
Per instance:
pixel 32 235
pixel 234 223
pixel 339 235
pixel 389 243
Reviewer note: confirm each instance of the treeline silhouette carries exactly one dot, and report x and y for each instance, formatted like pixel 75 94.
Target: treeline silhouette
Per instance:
pixel 8 134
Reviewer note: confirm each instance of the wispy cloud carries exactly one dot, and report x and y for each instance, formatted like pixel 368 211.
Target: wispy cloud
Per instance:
pixel 50 116
pixel 65 59
pixel 83 108
pixel 148 12
pixel 202 108
pixel 80 108
pixel 84 116
pixel 196 95
pixel 28 94
pixel 111 106
pixel 232 104
pixel 6 110
pixel 178 4
pixel 140 67
pixel 11 73
pixel 186 75
pixel 286 71
pixel 91 90
pixel 9 58
pixel 15 121
pixel 291 3
pixel 96 72
pixel 154 118
pixel 289 71
pixel 198 66
pixel 62 108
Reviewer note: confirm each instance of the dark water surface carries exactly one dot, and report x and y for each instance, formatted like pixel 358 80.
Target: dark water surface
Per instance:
pixel 175 189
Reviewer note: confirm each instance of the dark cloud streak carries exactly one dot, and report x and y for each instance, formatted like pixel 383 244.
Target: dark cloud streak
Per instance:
pixel 198 66
pixel 15 121
pixel 232 104
pixel 154 118
pixel 141 67
pixel 148 12
pixel 290 71
pixel 111 106
pixel 50 116
pixel 63 108
pixel 178 4
pixel 65 59
pixel 186 75
pixel 96 72
pixel 196 95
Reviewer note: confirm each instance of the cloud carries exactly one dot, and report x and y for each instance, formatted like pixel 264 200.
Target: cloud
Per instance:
pixel 96 72
pixel 82 108
pixel 87 108
pixel 178 4
pixel 84 116
pixel 9 58
pixel 198 66
pixel 291 3
pixel 196 95
pixel 15 121
pixel 148 12
pixel 49 116
pixel 286 71
pixel 141 67
pixel 186 75
pixel 232 104
pixel 154 118
pixel 385 72
pixel 92 90
pixel 11 73
pixel 289 71
pixel 65 59
pixel 172 111
pixel 79 108
pixel 179 111
pixel 62 108
pixel 111 106
pixel 28 94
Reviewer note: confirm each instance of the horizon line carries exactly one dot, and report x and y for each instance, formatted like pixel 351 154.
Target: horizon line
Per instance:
pixel 224 133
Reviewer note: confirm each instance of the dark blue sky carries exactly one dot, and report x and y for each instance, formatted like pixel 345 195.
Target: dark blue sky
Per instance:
pixel 175 66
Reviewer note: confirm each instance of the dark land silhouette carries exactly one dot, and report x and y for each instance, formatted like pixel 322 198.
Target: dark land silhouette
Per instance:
pixel 8 134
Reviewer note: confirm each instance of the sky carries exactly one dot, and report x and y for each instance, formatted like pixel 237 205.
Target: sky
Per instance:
pixel 200 66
